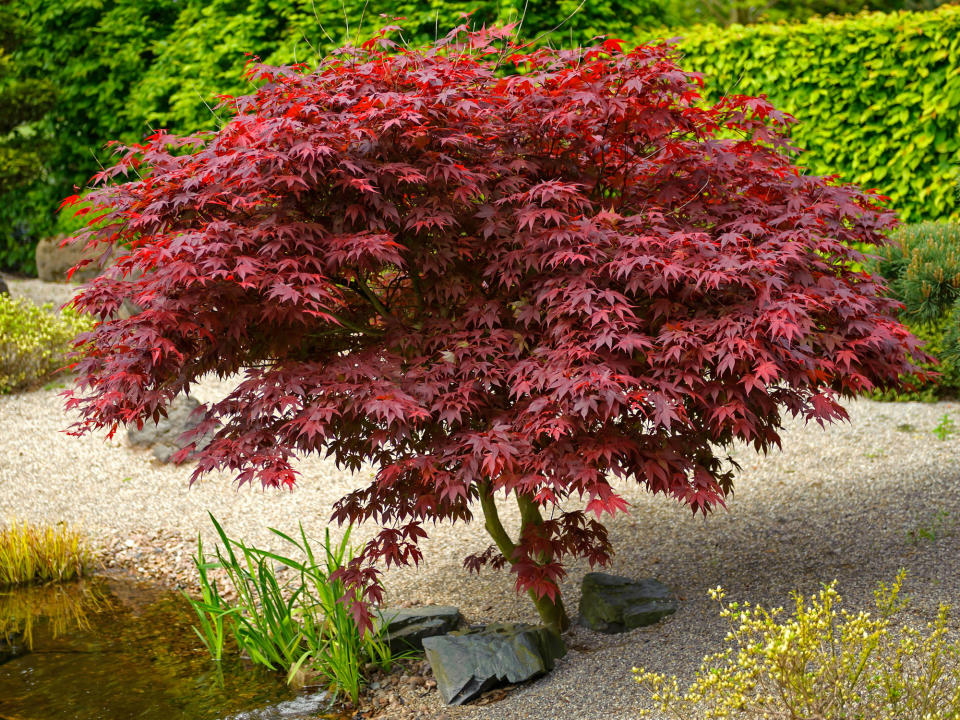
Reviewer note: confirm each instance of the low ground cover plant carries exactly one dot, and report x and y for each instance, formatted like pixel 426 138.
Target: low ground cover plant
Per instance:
pixel 822 662
pixel 36 553
pixel 35 341
pixel 300 625
pixel 491 287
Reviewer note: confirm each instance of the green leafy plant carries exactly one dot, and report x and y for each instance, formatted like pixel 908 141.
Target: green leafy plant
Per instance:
pixel 210 608
pixel 941 525
pixel 923 268
pixel 945 428
pixel 945 384
pixel 35 341
pixel 94 53
pixel 821 662
pixel 22 103
pixel 730 12
pixel 32 553
pixel 299 626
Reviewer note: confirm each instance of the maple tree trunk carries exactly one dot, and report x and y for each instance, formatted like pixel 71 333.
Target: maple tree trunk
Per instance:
pixel 552 612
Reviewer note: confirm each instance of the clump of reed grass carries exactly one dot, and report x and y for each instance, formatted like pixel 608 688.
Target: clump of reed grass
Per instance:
pixel 33 553
pixel 299 625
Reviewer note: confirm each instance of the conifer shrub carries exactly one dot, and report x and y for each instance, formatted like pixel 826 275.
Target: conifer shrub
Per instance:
pixel 527 287
pixel 922 267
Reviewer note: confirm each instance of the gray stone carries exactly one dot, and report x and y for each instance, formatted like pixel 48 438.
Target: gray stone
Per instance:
pixel 612 604
pixel 468 663
pixel 54 262
pixel 406 628
pixel 128 308
pixel 164 436
pixel 4 290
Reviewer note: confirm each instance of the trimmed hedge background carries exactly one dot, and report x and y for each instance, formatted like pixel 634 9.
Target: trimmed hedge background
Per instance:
pixel 877 96
pixel 203 54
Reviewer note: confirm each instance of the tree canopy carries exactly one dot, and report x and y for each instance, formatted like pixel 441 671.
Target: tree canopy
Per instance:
pixel 537 285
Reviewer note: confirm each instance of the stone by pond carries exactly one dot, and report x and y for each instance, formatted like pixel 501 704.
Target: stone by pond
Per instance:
pixel 408 627
pixel 110 648
pixel 614 604
pixel 466 664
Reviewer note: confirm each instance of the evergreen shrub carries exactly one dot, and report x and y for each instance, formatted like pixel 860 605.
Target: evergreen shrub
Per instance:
pixel 923 271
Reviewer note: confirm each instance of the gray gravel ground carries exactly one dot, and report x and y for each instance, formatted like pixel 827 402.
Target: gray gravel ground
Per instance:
pixel 854 502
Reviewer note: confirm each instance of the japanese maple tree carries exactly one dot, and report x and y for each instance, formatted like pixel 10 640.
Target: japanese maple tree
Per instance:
pixel 488 271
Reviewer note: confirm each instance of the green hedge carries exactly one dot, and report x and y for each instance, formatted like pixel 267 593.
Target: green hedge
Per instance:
pixel 877 96
pixel 204 53
pixel 94 53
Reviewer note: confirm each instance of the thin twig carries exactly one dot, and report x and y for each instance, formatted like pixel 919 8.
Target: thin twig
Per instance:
pixel 313 4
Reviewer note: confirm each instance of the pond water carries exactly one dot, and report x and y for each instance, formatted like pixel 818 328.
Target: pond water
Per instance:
pixel 112 648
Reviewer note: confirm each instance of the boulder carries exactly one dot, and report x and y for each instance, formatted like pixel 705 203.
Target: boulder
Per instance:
pixel 4 290
pixel 164 437
pixel 612 604
pixel 468 663
pixel 54 262
pixel 406 628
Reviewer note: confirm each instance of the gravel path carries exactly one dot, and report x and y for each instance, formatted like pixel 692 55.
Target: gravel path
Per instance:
pixel 854 502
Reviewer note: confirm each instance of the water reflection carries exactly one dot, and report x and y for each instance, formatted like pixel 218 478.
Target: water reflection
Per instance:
pixel 63 608
pixel 109 648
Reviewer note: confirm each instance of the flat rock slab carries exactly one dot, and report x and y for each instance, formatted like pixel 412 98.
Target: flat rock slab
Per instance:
pixel 406 628
pixel 468 663
pixel 164 437
pixel 613 604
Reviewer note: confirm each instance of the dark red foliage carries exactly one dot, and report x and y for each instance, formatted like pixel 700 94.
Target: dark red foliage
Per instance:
pixel 541 283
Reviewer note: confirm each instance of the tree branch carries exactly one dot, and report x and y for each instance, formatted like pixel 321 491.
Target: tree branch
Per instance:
pixel 493 524
pixel 372 297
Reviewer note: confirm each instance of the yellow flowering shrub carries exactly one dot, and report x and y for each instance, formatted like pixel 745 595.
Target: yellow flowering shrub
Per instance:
pixel 35 341
pixel 820 663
